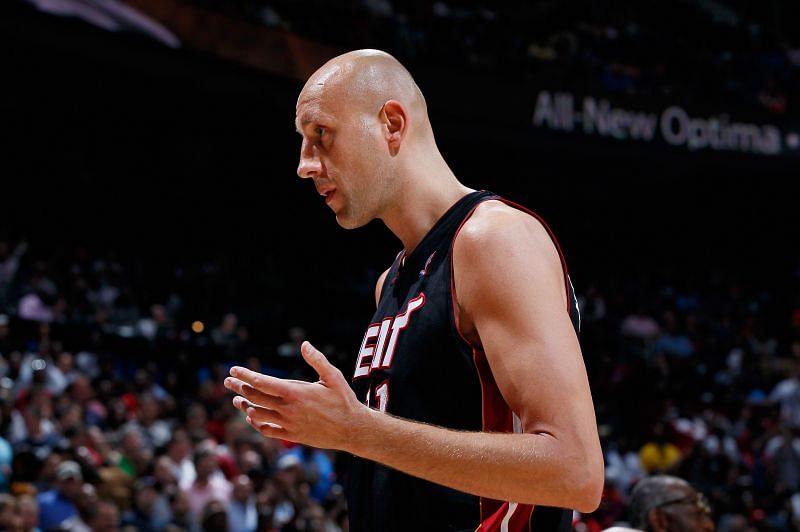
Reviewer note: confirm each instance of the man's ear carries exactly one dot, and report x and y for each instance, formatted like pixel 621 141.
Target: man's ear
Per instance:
pixel 395 121
pixel 657 520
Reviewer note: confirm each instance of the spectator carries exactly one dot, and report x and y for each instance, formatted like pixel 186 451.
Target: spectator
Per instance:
pixel 242 513
pixel 86 503
pixel 5 344
pixel 180 511
pixel 154 431
pixel 209 484
pixel 58 504
pixel 226 336
pixel 214 517
pixel 9 520
pixel 659 455
pixel 318 469
pixel 9 264
pixel 147 514
pixel 106 518
pixel 782 452
pixel 28 511
pixel 669 504
pixel 179 451
pixel 787 394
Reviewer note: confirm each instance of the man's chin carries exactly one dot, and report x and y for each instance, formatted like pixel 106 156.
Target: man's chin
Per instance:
pixel 348 222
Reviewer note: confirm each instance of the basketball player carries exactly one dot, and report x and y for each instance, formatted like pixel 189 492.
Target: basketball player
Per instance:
pixel 468 405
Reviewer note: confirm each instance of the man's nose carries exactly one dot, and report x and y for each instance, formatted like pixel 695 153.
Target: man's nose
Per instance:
pixel 310 165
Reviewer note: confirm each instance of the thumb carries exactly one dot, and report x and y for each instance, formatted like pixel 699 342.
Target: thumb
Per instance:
pixel 327 372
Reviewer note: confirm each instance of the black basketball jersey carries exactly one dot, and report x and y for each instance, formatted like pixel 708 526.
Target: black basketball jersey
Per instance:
pixel 414 363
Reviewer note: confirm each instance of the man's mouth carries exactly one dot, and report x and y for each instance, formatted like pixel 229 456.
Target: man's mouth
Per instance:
pixel 328 194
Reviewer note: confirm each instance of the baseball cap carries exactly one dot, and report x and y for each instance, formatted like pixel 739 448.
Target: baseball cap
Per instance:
pixel 68 469
pixel 288 460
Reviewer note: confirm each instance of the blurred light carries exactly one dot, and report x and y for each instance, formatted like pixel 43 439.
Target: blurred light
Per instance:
pixel 198 327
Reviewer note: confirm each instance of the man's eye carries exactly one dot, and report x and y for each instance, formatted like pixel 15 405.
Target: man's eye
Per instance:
pixel 320 131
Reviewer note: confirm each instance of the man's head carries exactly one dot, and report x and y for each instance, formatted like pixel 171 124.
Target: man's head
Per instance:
pixel 145 495
pixel 205 462
pixel 242 489
pixel 86 501
pixel 28 510
pixel 70 479
pixel 664 503
pixel 363 120
pixel 106 518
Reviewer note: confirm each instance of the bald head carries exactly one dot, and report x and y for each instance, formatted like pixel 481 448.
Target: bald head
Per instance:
pixel 365 80
pixel 367 141
pixel 668 503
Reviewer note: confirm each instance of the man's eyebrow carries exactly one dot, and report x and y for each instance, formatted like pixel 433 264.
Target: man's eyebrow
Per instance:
pixel 303 123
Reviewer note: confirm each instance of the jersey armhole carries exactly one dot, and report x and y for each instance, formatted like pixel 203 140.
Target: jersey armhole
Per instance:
pixel 454 296
pixel 561 258
pixel 380 286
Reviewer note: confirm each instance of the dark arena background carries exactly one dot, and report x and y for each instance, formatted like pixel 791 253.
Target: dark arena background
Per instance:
pixel 153 233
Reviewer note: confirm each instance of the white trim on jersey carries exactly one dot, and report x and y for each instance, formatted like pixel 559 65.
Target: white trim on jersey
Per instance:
pixel 512 507
pixel 575 299
pixel 517 422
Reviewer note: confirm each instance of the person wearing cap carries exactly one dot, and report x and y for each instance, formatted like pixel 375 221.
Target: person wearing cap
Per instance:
pixel 58 505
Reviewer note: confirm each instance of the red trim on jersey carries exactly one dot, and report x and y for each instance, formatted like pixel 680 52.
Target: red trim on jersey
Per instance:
pixel 520 520
pixel 519 207
pixel 553 238
pixel 453 279
pixel 401 255
pixel 496 416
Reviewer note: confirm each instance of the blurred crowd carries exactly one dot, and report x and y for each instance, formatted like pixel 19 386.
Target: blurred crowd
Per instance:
pixel 699 378
pixel 113 415
pixel 732 53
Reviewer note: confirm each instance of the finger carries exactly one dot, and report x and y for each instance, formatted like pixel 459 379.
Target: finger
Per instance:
pixel 263 383
pixel 240 403
pixel 268 430
pixel 327 372
pixel 260 415
pixel 245 390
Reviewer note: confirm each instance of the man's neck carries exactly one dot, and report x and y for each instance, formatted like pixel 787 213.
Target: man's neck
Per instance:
pixel 420 206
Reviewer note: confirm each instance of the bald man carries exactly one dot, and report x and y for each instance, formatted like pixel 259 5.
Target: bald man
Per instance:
pixel 468 406
pixel 664 503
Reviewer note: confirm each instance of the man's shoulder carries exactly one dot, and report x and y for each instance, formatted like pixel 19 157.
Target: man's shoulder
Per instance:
pixel 500 232
pixel 496 221
pixel 47 497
